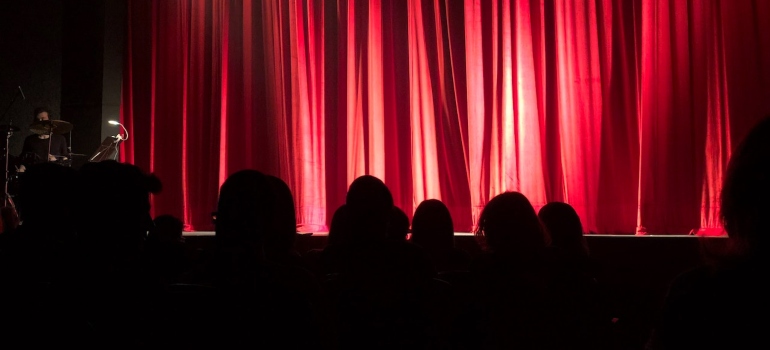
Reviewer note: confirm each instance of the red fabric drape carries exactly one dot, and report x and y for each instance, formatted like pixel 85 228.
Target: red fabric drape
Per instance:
pixel 628 110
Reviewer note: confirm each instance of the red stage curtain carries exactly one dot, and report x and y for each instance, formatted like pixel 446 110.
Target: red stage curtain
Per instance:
pixel 628 110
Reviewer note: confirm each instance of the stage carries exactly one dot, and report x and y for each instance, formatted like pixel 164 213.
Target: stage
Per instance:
pixel 678 250
pixel 668 254
pixel 635 270
pixel 654 259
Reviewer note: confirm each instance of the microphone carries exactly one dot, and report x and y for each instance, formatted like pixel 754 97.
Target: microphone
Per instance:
pixel 22 93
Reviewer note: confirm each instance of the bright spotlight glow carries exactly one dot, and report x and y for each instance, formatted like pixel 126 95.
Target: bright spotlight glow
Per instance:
pixel 112 122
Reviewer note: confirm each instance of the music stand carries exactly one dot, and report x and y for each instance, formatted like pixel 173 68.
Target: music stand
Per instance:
pixel 108 150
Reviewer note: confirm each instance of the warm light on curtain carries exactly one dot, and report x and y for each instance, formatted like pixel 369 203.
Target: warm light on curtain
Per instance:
pixel 628 110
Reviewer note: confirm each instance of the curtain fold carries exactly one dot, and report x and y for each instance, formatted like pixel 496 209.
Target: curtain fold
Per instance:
pixel 580 55
pixel 626 109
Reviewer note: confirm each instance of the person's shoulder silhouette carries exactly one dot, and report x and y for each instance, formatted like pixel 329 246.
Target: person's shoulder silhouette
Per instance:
pixel 719 305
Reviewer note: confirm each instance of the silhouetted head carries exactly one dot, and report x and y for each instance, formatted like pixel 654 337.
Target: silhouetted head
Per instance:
pixel 113 204
pixel 245 209
pixel 398 228
pixel 432 227
pixel 369 207
pixel 509 223
pixel 339 229
pixel 168 229
pixel 283 230
pixel 45 194
pixel 563 225
pixel 746 191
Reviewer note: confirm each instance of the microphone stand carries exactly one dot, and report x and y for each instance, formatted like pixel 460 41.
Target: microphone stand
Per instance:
pixel 50 136
pixel 7 201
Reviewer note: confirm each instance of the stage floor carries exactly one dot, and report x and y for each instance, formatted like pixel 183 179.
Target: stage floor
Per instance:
pixel 635 270
pixel 457 234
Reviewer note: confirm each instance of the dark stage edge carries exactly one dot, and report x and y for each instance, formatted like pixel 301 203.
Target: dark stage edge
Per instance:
pixel 458 234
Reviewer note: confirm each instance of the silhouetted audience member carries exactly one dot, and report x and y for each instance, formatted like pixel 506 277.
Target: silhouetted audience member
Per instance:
pixel 379 288
pixel 111 285
pixel 513 279
pixel 722 305
pixel 35 259
pixel 326 260
pixel 279 242
pixel 398 228
pixel 509 226
pixel 259 301
pixel 38 248
pixel 433 231
pixel 564 227
pixel 361 225
pixel 339 230
pixel 365 245
pixel 582 303
pixel 165 249
pixel 321 260
pixel 167 228
pixel 369 206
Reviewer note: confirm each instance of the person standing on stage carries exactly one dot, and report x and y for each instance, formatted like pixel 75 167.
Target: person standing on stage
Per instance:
pixel 37 145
